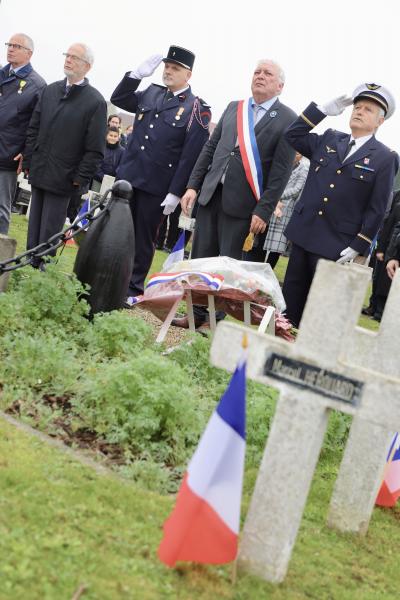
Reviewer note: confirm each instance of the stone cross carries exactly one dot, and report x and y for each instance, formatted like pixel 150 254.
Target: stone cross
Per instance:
pixel 313 378
pixel 377 355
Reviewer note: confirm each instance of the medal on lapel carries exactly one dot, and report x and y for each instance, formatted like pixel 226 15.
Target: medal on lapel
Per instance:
pixel 178 114
pixel 366 161
pixel 22 84
pixel 330 150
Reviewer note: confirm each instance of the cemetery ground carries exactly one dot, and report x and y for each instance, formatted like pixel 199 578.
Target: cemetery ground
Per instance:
pixel 67 530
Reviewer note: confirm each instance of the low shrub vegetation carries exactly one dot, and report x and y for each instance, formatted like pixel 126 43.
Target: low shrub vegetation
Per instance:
pixel 105 384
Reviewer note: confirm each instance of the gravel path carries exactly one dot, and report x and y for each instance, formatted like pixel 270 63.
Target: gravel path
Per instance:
pixel 175 335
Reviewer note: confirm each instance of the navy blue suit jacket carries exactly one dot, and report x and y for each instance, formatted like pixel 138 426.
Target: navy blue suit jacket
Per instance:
pixel 343 202
pixel 166 140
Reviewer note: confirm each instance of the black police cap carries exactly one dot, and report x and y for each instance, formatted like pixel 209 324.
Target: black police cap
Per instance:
pixel 180 56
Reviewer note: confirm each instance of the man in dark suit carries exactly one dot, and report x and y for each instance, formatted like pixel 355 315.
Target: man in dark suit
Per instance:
pixel 64 146
pixel 241 171
pixel 347 190
pixel 20 88
pixel 171 127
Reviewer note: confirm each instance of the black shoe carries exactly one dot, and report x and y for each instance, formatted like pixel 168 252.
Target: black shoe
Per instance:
pixel 377 317
pixel 368 311
pixel 159 247
pixel 167 250
pixel 184 322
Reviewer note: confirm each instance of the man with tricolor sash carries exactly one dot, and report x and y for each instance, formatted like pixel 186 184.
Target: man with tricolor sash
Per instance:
pixel 241 171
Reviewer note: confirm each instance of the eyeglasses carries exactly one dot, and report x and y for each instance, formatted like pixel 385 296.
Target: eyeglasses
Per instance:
pixel 16 46
pixel 74 57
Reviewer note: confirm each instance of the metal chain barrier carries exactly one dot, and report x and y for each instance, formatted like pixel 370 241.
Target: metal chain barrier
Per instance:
pixel 58 239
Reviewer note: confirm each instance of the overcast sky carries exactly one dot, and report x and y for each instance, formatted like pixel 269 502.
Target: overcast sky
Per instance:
pixel 326 47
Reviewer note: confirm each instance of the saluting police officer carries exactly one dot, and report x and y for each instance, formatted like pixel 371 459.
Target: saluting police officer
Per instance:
pixel 347 190
pixel 171 127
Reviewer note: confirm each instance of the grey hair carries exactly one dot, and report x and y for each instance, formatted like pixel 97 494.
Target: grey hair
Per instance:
pixel 28 41
pixel 88 55
pixel 381 112
pixel 281 72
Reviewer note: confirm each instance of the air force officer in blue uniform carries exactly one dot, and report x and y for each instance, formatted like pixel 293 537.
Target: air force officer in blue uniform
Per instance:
pixel 346 192
pixel 171 127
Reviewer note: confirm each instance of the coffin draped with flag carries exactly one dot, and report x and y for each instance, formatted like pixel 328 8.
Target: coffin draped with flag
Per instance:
pixel 204 524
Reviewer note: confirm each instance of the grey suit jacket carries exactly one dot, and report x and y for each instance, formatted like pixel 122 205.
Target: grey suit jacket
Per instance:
pixel 221 151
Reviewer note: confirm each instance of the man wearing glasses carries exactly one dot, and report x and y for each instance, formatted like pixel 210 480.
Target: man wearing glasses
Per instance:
pixel 65 145
pixel 20 88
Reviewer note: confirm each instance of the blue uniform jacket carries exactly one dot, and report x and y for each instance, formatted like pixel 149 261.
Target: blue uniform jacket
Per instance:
pixel 166 140
pixel 343 203
pixel 18 97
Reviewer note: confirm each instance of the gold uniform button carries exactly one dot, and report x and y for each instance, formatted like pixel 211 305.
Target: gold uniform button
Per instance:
pixel 325 199
pixel 156 116
pixel 142 147
pixel 338 171
pixel 332 185
pixel 320 212
pixel 151 125
pixel 361 176
pixel 321 160
pixel 146 137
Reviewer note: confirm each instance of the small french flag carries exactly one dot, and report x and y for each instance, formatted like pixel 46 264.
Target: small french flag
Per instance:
pixel 204 524
pixel 177 254
pixel 389 492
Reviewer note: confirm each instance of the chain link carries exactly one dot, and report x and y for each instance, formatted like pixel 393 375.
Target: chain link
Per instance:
pixel 58 239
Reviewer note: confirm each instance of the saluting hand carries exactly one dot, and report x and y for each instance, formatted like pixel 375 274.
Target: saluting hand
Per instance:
pixel 147 68
pixel 187 201
pixel 336 106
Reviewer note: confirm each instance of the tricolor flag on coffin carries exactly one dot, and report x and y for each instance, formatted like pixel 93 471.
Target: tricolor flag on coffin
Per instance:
pixel 204 525
pixel 390 488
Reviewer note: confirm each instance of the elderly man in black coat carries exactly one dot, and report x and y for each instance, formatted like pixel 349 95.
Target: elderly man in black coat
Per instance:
pixel 65 145
pixel 20 88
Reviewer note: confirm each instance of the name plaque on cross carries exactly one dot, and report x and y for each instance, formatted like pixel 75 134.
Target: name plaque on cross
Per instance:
pixel 304 375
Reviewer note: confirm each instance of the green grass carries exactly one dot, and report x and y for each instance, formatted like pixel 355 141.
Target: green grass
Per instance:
pixel 63 526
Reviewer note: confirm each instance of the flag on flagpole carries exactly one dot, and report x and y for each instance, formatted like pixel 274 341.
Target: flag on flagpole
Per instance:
pixel 390 488
pixel 204 524
pixel 177 253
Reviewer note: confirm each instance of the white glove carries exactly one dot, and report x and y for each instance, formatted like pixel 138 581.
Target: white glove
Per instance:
pixel 336 107
pixel 347 255
pixel 147 67
pixel 170 203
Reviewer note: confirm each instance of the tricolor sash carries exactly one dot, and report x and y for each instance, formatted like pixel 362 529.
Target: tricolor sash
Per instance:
pixel 248 147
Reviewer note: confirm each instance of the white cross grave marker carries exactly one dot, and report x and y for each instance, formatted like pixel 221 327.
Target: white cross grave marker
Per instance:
pixel 313 378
